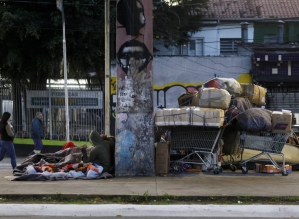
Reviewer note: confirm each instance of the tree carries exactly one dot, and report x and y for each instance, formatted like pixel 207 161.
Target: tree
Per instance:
pixel 31 44
pixel 31 40
pixel 176 20
pixel 31 35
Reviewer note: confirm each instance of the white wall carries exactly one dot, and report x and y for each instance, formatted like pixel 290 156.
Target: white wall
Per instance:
pixel 162 50
pixel 211 37
pixel 173 75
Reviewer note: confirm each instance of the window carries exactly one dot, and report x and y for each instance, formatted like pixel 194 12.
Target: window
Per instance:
pixel 192 45
pixel 270 38
pixel 229 46
pixel 193 48
pixel 184 49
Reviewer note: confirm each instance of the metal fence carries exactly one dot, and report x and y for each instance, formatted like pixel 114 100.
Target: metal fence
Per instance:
pixel 86 109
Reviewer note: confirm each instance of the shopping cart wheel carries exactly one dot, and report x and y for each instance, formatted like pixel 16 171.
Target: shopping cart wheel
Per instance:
pixel 284 173
pixel 233 168
pixel 216 171
pixel 177 167
pixel 220 169
pixel 244 170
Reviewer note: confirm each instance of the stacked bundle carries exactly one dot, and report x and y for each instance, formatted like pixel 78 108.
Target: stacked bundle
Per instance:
pixel 203 108
pixel 223 101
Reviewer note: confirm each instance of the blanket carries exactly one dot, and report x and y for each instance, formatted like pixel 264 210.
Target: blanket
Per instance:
pixel 237 106
pixel 61 165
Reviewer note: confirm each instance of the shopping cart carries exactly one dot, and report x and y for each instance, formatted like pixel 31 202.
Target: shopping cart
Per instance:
pixel 199 145
pixel 267 143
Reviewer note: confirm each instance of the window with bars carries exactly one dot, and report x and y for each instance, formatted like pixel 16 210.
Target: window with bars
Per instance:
pixel 229 45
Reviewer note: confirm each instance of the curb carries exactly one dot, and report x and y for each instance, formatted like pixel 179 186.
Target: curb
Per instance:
pixel 117 210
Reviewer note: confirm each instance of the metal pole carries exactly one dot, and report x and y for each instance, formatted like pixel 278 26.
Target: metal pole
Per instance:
pixel 107 67
pixel 244 32
pixel 50 109
pixel 279 33
pixel 66 96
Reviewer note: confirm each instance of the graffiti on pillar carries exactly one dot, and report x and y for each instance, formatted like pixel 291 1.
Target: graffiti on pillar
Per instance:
pixel 134 59
pixel 135 89
pixel 133 156
pixel 130 14
pixel 134 109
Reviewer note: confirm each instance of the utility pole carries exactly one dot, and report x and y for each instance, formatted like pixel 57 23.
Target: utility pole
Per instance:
pixel 59 5
pixel 107 67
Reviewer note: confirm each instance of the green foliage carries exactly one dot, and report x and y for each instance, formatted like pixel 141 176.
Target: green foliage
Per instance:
pixel 176 21
pixel 165 199
pixel 31 39
pixel 47 142
pixel 146 196
pixel 134 198
pixel 59 197
pixel 31 35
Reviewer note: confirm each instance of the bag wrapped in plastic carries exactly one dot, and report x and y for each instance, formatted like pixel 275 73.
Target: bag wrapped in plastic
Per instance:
pixel 214 98
pixel 255 120
pixel 229 84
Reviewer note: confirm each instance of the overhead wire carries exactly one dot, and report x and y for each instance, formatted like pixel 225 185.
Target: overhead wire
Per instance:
pixel 218 29
pixel 50 3
pixel 176 66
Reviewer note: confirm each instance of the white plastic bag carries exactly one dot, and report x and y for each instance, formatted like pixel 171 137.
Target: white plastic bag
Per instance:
pixel 92 174
pixel 30 170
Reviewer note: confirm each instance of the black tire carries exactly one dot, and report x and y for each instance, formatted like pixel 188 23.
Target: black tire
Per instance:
pixel 177 168
pixel 284 173
pixel 233 168
pixel 244 170
pixel 216 171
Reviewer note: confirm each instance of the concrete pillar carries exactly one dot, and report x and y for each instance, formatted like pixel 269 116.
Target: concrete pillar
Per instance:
pixel 134 152
pixel 244 32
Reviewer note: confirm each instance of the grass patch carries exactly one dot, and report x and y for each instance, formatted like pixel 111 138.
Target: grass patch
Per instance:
pixel 47 142
pixel 147 199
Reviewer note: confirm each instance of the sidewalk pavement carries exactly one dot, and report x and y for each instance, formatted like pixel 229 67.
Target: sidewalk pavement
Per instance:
pixel 227 183
pixel 149 211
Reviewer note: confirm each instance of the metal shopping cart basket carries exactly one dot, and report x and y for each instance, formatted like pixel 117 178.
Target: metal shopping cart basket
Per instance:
pixel 197 144
pixel 267 143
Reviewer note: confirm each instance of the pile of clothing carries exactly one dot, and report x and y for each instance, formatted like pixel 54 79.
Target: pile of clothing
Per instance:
pixel 62 165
